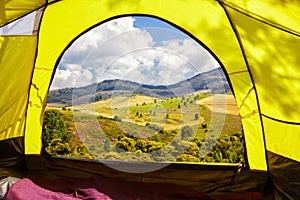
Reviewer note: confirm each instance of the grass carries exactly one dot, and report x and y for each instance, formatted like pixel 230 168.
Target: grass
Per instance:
pixel 95 127
pixel 169 114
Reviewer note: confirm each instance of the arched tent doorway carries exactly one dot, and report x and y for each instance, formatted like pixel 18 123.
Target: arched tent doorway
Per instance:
pixel 257 43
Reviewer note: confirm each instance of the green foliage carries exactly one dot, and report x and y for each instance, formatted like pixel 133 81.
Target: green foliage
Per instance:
pixel 186 132
pixel 107 145
pixel 156 137
pixel 227 149
pixel 127 144
pixel 95 99
pixel 204 125
pixel 153 127
pixel 121 140
pixel 188 158
pixel 117 118
pixel 59 138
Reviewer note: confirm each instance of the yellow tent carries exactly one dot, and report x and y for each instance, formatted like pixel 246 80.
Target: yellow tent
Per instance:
pixel 257 42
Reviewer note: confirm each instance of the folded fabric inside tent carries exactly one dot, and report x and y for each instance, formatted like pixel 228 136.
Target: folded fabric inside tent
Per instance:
pixel 106 189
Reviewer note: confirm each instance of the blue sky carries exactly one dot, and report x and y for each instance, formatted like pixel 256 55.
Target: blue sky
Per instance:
pixel 141 22
pixel 154 27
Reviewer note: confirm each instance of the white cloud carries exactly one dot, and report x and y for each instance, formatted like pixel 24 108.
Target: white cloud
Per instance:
pixel 192 52
pixel 117 49
pixel 150 65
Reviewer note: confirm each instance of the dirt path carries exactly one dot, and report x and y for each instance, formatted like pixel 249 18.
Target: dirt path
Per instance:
pixel 222 103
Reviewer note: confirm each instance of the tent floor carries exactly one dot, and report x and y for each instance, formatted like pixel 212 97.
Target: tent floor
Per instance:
pixel 104 188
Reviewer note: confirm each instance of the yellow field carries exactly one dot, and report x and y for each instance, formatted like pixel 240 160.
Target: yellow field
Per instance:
pixel 222 103
pixel 57 106
pixel 141 109
pixel 108 107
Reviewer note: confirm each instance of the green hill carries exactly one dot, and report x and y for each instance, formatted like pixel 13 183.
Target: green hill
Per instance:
pixel 213 81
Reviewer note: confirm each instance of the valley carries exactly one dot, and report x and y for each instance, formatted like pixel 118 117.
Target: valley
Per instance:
pixel 133 122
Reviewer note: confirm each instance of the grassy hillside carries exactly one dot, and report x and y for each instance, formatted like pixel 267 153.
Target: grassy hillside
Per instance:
pixel 144 128
pixel 213 81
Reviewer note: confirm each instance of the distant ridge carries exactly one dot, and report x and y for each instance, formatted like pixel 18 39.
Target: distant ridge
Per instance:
pixel 214 81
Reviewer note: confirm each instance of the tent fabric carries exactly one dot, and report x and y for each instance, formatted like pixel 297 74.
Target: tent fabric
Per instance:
pixel 211 179
pixel 285 175
pixel 6 184
pixel 256 43
pixel 102 189
pixel 55 38
pixel 15 83
pixel 106 189
pixel 280 13
pixel 14 9
pixel 278 74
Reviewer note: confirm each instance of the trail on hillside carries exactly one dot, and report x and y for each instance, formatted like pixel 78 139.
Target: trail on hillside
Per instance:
pixel 221 103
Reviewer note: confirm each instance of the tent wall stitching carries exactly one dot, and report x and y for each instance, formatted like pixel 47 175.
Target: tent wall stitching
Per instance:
pixel 32 73
pixel 251 77
pixel 21 16
pixel 282 121
pixel 262 19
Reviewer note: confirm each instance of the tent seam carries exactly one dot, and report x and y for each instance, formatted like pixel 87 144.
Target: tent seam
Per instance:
pixel 260 18
pixel 223 5
pixel 32 73
pixel 28 13
pixel 279 120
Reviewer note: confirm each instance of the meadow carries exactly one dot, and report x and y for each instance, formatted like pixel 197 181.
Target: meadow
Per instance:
pixel 143 128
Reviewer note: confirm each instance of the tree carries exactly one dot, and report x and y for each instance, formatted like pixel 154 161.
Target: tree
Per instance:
pixel 141 145
pixel 127 144
pixel 196 116
pixel 107 145
pixel 187 158
pixel 59 138
pixel 186 132
pixel 117 118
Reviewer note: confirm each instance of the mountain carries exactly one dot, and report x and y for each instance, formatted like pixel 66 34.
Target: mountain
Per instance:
pixel 213 81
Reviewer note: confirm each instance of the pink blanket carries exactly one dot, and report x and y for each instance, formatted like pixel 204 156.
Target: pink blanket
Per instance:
pixel 99 188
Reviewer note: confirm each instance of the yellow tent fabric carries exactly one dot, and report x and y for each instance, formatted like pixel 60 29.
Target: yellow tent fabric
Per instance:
pixel 15 83
pixel 257 42
pixel 54 38
pixel 13 9
pixel 271 52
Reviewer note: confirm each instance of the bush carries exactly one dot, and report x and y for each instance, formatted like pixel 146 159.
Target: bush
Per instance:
pixel 117 118
pixel 186 132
